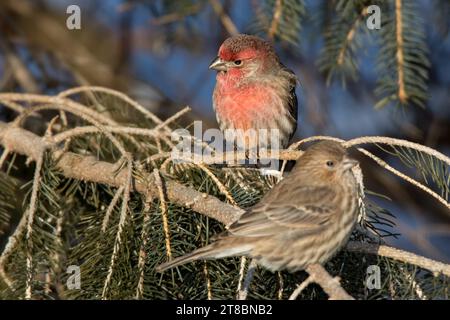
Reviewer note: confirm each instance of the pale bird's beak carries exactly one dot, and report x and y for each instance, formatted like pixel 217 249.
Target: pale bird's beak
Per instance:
pixel 218 65
pixel 349 163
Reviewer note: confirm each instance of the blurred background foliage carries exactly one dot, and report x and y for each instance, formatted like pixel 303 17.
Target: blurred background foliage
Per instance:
pixel 353 81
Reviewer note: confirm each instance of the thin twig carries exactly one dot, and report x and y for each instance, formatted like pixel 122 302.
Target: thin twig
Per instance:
pixel 163 205
pixel 404 256
pixel 275 19
pixel 350 36
pixel 30 220
pixel 155 157
pixel 402 95
pixel 4 157
pixel 50 102
pixel 281 283
pixel 329 284
pixel 111 206
pixel 21 72
pixel 400 143
pixel 13 241
pixel 219 184
pixel 142 250
pixel 242 295
pixel 120 95
pixel 414 284
pixel 171 119
pixel 113 92
pixel 57 255
pixel 405 177
pixel 241 275
pixel 301 287
pixel 66 105
pixel 123 216
pixel 208 280
pixel 224 18
pixel 78 131
pixel 177 16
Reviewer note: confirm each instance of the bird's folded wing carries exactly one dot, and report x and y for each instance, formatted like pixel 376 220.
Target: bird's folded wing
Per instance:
pixel 292 99
pixel 280 216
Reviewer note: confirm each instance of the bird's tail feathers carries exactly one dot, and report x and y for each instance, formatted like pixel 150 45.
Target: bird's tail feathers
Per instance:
pixel 212 251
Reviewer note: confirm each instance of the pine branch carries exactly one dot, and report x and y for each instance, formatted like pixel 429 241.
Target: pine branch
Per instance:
pixel 402 62
pixel 278 9
pixel 123 219
pixel 385 251
pixel 87 168
pixel 338 55
pixel 402 95
pixel 281 19
pixel 224 18
pixel 93 174
pixel 8 196
pixel 163 205
pixel 329 284
pixel 30 220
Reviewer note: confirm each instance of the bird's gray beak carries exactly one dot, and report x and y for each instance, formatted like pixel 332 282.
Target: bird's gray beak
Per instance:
pixel 349 163
pixel 218 65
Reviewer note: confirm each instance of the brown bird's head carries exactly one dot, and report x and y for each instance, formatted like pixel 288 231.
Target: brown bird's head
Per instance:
pixel 244 55
pixel 326 160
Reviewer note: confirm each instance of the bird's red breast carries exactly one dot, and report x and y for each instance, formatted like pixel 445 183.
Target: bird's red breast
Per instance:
pixel 246 106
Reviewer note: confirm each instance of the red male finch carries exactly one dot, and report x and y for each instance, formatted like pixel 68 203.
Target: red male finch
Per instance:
pixel 254 90
pixel 304 219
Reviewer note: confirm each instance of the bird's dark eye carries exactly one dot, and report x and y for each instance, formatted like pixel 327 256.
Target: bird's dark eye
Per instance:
pixel 330 164
pixel 237 62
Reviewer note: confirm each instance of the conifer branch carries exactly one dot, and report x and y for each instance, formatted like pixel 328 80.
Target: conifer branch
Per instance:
pixel 275 19
pixel 329 284
pixel 300 288
pixel 243 292
pixel 400 59
pixel 4 157
pixel 123 217
pixel 88 169
pixel 11 244
pixel 142 249
pixel 404 256
pixel 110 208
pixel 163 206
pixel 224 18
pixel 208 280
pixel 30 220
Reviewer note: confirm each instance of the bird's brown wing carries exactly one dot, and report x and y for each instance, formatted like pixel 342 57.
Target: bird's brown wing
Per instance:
pixel 293 101
pixel 273 216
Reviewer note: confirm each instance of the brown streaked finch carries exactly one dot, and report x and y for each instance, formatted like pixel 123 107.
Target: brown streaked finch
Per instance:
pixel 304 219
pixel 254 90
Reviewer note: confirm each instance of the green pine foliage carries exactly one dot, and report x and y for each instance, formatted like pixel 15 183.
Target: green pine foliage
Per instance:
pixel 403 58
pixel 343 35
pixel 9 187
pixel 280 20
pixel 75 224
pixel 429 170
